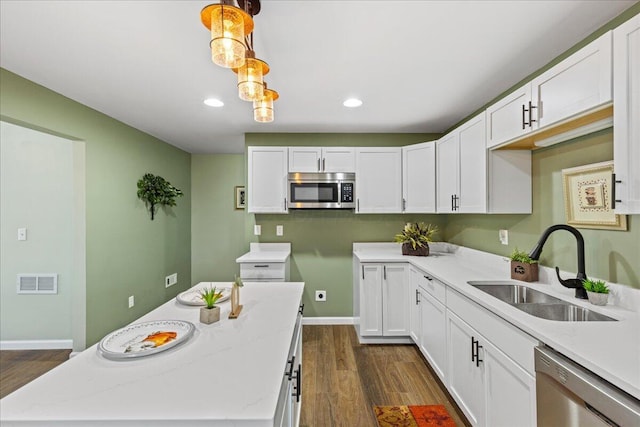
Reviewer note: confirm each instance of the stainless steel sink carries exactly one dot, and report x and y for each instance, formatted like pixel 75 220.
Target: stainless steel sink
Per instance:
pixel 536 303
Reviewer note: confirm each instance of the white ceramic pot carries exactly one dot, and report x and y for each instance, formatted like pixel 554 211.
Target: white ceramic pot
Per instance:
pixel 598 299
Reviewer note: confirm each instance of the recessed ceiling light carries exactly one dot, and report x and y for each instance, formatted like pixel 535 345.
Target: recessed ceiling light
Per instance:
pixel 352 102
pixel 213 102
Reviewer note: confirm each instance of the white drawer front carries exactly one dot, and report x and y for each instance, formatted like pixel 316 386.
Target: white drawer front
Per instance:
pixel 262 270
pixel 432 285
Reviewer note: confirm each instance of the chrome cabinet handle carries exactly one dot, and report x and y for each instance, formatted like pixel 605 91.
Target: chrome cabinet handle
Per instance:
pixel 384 274
pixel 417 297
pixel 404 204
pixel 319 165
pixel 323 164
pixel 285 203
pixel 290 363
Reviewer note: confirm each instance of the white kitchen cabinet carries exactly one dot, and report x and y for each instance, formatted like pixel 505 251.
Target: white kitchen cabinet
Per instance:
pixel 384 300
pixel 462 168
pixel 626 114
pixel 290 398
pixel 415 326
pixel 379 180
pixel 322 159
pixel 433 317
pixel 579 84
pixel 267 180
pixel 419 178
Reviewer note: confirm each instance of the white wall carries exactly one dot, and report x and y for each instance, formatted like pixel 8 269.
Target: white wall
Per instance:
pixel 37 192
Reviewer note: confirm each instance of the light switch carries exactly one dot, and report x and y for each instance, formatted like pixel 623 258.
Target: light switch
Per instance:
pixel 257 230
pixel 279 230
pixel 22 234
pixel 504 237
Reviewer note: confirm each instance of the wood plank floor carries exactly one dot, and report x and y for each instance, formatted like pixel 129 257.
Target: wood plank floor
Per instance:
pixel 19 367
pixel 342 380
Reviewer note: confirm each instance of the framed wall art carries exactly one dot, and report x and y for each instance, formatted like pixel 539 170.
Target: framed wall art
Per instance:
pixel 241 199
pixel 587 197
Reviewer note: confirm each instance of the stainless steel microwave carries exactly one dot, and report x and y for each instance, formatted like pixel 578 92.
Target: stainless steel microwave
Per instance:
pixel 321 190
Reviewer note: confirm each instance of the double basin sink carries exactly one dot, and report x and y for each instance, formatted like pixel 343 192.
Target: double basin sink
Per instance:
pixel 538 303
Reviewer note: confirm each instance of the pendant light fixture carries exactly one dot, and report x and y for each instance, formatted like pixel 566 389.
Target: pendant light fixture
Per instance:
pixel 263 108
pixel 229 26
pixel 251 77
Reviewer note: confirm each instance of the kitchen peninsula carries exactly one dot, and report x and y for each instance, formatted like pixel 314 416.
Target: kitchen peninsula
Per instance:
pixel 230 373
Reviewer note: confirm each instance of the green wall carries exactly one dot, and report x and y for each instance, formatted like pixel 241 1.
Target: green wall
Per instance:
pixel 126 253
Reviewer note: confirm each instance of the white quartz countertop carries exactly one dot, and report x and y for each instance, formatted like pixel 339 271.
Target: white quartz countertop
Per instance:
pixel 609 349
pixel 266 252
pixel 228 374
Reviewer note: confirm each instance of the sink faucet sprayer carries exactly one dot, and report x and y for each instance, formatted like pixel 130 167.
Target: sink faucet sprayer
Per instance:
pixel 582 275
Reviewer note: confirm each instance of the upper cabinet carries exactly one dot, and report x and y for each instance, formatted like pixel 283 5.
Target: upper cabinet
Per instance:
pixel 571 95
pixel 267 180
pixel 419 178
pixel 322 159
pixel 462 168
pixel 379 180
pixel 626 114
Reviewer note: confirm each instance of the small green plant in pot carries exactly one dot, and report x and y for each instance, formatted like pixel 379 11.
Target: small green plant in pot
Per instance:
pixel 523 267
pixel 597 291
pixel 415 238
pixel 210 313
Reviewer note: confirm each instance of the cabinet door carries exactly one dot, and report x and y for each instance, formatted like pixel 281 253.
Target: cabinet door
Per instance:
pixel 378 180
pixel 433 345
pixel 626 137
pixel 338 159
pixel 267 180
pixel 465 379
pixel 505 117
pixel 473 166
pixel 575 85
pixel 419 178
pixel 371 300
pixel 396 300
pixel 505 381
pixel 447 171
pixel 304 159
pixel 414 317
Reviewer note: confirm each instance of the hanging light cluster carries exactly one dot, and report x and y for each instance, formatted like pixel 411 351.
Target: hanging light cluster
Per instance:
pixel 232 47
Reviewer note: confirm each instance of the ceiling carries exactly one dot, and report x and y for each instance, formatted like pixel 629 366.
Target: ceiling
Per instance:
pixel 418 66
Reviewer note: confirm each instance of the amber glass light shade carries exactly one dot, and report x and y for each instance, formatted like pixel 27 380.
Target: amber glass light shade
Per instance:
pixel 229 25
pixel 250 78
pixel 263 108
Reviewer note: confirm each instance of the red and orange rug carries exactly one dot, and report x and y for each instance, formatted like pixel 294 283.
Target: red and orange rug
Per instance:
pixel 413 416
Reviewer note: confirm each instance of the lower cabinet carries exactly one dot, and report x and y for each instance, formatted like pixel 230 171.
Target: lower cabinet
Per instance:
pixel 290 397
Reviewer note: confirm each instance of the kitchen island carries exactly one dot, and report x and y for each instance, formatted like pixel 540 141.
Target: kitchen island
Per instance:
pixel 229 373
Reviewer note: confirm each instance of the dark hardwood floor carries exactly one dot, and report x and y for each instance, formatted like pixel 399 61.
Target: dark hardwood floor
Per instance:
pixel 19 367
pixel 341 379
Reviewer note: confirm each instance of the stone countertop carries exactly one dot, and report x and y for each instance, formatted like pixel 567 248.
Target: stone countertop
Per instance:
pixel 266 252
pixel 228 374
pixel 609 349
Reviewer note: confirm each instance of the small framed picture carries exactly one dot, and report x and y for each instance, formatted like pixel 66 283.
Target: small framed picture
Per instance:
pixel 587 197
pixel 241 199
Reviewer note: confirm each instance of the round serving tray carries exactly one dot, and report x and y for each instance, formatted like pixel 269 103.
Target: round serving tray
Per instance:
pixel 192 296
pixel 145 339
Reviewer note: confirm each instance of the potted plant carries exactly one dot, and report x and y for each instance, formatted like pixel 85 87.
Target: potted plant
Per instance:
pixel 210 313
pixel 155 190
pixel 597 291
pixel 523 267
pixel 415 238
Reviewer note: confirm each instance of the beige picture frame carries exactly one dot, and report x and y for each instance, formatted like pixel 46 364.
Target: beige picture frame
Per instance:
pixel 587 197
pixel 240 197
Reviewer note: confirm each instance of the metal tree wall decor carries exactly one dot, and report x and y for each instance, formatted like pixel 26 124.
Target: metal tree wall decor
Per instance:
pixel 155 190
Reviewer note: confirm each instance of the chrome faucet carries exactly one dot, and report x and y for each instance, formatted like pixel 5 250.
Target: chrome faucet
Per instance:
pixel 582 275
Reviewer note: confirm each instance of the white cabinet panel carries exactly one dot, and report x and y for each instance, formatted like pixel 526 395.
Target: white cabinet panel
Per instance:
pixel 626 116
pixel 339 159
pixel 472 193
pixel 419 178
pixel 414 316
pixel 505 118
pixel 304 159
pixel 379 180
pixel 371 300
pixel 322 159
pixel 433 344
pixel 395 300
pixel 447 171
pixel 267 180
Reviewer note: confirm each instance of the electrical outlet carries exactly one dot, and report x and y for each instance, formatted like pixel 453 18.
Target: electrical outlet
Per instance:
pixel 279 230
pixel 257 230
pixel 22 234
pixel 131 301
pixel 321 296
pixel 503 235
pixel 171 280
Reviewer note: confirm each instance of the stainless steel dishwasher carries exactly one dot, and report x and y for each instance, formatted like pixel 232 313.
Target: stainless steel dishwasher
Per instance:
pixel 568 395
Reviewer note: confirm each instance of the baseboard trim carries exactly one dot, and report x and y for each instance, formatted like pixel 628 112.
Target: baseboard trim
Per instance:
pixel 327 320
pixel 36 344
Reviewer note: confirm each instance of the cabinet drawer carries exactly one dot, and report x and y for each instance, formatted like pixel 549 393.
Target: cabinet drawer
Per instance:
pixel 432 285
pixel 515 343
pixel 262 270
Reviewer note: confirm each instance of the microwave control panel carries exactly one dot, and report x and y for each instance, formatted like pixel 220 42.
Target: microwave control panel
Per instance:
pixel 347 192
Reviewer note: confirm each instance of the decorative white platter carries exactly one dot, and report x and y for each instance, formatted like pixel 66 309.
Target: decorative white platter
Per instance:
pixel 192 296
pixel 145 339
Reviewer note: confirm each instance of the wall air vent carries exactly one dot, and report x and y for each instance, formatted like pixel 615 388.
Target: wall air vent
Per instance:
pixel 37 283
